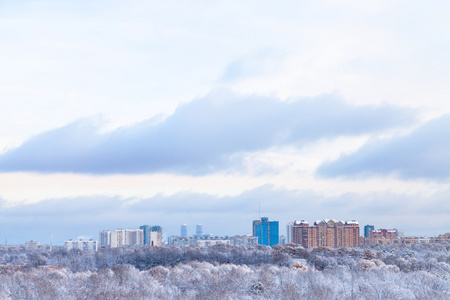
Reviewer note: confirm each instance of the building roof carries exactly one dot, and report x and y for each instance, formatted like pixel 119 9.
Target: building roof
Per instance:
pixel 351 222
pixel 301 222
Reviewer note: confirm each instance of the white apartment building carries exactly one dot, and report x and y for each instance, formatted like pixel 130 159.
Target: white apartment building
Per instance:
pixel 155 238
pixel 83 245
pixel 121 237
pixel 211 242
pixel 242 240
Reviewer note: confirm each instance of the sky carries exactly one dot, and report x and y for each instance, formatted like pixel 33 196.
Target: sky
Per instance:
pixel 115 115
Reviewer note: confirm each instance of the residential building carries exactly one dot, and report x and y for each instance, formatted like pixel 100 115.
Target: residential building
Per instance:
pixel 244 240
pixel 29 246
pixel 121 237
pixel 104 238
pixel 303 234
pixel 326 233
pixel 180 240
pixel 207 242
pixel 83 245
pixel 155 238
pixel 32 245
pixel 382 236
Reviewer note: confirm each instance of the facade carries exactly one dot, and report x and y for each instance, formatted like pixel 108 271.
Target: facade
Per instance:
pixel 367 229
pixel 266 231
pixel 83 245
pixel 326 233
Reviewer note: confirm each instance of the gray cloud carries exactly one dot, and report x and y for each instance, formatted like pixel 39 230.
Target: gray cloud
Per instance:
pixel 66 218
pixel 200 137
pixel 424 153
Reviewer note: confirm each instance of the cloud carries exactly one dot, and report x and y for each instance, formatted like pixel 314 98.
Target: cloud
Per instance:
pixel 201 136
pixel 66 218
pixel 424 153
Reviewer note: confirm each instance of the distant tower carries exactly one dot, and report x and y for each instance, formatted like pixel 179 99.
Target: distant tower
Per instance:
pixel 289 230
pixel 146 229
pixel 367 230
pixel 184 230
pixel 199 230
pixel 156 228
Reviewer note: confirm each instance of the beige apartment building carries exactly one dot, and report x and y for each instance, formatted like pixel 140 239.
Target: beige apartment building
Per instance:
pixel 326 233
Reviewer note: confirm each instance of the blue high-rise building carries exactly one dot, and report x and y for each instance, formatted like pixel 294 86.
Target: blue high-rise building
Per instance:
pixel 184 230
pixel 199 230
pixel 146 229
pixel 367 230
pixel 266 231
pixel 156 228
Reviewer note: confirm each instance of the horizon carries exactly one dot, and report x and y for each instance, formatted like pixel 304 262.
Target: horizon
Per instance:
pixel 166 235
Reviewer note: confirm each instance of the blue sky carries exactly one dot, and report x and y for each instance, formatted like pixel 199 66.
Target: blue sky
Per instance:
pixel 121 114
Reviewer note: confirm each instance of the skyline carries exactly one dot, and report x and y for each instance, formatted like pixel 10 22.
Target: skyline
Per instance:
pixel 122 114
pixel 392 233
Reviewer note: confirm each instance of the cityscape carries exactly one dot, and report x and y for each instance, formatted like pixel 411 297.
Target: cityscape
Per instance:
pixel 323 233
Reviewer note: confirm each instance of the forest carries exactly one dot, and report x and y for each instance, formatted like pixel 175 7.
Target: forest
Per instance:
pixel 230 272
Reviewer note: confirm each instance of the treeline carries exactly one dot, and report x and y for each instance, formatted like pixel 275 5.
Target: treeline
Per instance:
pixel 406 258
pixel 289 272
